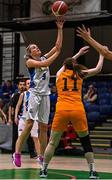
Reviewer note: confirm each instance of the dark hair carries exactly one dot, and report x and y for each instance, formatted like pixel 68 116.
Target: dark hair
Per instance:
pixel 20 80
pixel 72 64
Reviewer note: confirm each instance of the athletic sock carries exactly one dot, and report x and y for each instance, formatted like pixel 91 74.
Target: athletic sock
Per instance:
pixel 90 159
pixel 92 166
pixel 45 165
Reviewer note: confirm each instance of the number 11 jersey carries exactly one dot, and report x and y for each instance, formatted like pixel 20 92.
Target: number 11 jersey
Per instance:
pixel 69 91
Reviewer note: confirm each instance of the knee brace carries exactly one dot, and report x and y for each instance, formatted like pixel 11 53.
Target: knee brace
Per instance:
pixel 86 144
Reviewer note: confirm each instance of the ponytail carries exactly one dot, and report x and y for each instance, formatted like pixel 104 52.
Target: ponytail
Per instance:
pixel 72 64
pixel 27 55
pixel 77 69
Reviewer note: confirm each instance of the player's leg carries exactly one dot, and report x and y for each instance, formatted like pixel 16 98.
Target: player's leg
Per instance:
pixel 81 127
pixel 49 152
pixel 21 126
pixel 58 126
pixel 20 141
pixel 36 144
pixel 34 135
pixel 43 137
pixel 17 156
pixel 31 116
pixel 31 147
pixel 43 116
pixel 88 152
pixel 24 135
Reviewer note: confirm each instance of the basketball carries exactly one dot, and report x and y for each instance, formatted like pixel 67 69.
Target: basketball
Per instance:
pixel 59 8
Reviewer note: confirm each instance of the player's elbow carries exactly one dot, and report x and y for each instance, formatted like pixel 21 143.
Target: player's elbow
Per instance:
pixel 98 70
pixel 58 49
pixel 106 53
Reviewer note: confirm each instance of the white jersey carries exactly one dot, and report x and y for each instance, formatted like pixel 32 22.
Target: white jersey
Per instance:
pixel 22 116
pixel 39 80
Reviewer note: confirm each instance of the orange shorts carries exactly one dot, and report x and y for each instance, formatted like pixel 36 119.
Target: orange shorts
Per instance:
pixel 77 118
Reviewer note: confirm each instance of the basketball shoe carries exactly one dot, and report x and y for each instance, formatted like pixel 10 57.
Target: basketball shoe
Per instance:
pixel 43 173
pixel 17 159
pixel 93 175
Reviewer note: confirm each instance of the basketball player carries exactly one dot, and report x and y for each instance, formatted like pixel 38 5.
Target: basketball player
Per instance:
pixel 86 35
pixel 21 117
pixel 12 105
pixel 39 104
pixel 70 107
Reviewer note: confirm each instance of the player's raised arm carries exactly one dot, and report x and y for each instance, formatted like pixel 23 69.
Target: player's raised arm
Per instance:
pixel 86 35
pixel 31 63
pixel 81 52
pixel 59 40
pixel 97 69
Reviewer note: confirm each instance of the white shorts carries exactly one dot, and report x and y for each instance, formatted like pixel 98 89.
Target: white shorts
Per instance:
pixel 38 108
pixel 34 130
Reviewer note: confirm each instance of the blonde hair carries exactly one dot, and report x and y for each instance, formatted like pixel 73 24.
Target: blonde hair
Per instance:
pixel 28 51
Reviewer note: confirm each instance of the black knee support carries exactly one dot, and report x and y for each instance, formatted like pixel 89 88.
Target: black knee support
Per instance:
pixel 86 144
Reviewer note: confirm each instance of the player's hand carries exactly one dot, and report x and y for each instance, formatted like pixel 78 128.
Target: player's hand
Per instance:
pixel 60 22
pixel 84 50
pixel 9 122
pixel 83 32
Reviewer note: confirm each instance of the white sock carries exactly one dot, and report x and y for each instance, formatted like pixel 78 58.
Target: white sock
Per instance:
pixel 92 166
pixel 45 165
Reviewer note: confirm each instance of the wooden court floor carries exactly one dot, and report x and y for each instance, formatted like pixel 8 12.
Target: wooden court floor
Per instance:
pixel 59 168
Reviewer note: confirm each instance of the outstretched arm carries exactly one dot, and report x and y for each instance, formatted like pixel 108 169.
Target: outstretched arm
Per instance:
pixel 86 35
pixel 97 69
pixel 53 54
pixel 81 52
pixel 59 40
pixel 31 63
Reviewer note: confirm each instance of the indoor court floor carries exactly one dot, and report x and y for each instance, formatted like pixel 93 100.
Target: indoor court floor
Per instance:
pixel 60 167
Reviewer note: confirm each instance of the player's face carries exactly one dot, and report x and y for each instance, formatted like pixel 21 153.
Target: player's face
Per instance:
pixel 21 86
pixel 27 84
pixel 35 51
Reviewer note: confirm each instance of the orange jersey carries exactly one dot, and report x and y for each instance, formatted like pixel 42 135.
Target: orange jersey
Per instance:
pixel 69 92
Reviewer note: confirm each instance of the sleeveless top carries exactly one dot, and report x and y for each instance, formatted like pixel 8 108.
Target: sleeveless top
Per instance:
pixel 69 91
pixel 39 78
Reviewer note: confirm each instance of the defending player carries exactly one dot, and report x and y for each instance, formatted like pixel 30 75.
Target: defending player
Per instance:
pixel 70 107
